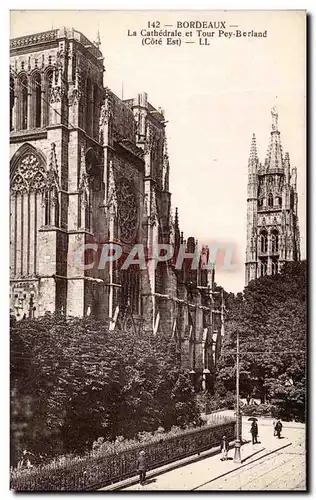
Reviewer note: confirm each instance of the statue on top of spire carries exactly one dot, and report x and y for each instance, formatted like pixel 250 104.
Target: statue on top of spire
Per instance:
pixel 275 115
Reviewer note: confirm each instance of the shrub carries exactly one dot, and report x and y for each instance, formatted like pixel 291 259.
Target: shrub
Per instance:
pixel 209 403
pixel 262 410
pixel 116 461
pixel 84 382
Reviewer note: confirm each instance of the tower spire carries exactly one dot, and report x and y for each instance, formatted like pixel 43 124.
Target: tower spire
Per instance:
pixel 97 43
pixel 274 157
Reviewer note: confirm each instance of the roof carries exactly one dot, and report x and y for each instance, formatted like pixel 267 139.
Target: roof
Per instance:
pixel 51 36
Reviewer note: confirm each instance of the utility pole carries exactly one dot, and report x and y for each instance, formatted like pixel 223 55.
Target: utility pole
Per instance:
pixel 237 457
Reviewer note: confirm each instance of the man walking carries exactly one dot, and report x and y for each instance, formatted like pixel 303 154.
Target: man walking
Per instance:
pixel 141 467
pixel 278 428
pixel 254 432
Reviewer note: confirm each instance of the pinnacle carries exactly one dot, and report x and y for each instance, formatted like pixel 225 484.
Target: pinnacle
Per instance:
pixel 253 148
pixel 176 218
pixel 98 40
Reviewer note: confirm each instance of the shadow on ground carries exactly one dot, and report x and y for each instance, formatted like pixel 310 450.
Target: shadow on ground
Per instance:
pixel 149 481
pixel 250 456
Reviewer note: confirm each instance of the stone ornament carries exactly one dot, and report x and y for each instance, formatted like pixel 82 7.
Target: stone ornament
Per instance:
pixel 127 209
pixel 29 176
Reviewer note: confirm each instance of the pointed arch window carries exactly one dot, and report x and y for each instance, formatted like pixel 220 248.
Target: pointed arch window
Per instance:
pixel 270 200
pixel 11 101
pixel 74 66
pixel 263 267
pixel 28 183
pixel 37 99
pixel 275 240
pixel 47 207
pixel 264 241
pixel 274 266
pixel 48 85
pixel 23 84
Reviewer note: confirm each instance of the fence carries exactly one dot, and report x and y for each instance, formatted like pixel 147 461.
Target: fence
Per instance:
pixel 96 471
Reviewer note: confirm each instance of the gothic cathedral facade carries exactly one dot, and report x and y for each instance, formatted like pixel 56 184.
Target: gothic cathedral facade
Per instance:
pixel 89 169
pixel 272 218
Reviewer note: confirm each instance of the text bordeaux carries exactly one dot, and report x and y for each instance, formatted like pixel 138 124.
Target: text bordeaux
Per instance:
pixel 202 24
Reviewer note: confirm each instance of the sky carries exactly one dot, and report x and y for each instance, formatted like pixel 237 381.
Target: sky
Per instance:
pixel 215 97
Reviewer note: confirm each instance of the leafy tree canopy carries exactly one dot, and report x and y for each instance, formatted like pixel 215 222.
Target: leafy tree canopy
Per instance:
pixel 85 382
pixel 270 317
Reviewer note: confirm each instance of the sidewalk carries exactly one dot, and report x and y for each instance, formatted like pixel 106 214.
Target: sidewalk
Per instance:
pixel 189 473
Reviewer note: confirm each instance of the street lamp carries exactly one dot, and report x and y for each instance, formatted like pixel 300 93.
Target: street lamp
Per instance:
pixel 237 457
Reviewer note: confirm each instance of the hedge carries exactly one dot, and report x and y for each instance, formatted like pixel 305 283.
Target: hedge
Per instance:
pixel 94 471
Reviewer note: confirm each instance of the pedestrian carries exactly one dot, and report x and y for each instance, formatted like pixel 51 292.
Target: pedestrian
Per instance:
pixel 141 467
pixel 254 432
pixel 274 431
pixel 278 428
pixel 224 448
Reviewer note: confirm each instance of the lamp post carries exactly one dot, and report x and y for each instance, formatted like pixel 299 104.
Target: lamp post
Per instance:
pixel 237 457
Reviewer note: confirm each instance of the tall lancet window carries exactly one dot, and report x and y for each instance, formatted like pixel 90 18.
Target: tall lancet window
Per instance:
pixel 264 241
pixel 11 102
pixel 274 266
pixel 23 102
pixel 263 267
pixel 48 85
pixel 275 240
pixel 37 99
pixel 270 200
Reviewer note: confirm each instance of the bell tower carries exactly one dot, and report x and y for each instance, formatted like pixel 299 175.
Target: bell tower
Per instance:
pixel 272 220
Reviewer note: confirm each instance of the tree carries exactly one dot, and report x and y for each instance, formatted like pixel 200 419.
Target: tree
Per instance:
pixel 271 321
pixel 83 382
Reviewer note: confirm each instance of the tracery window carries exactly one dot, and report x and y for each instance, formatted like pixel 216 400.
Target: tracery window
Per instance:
pixel 274 266
pixel 127 209
pixel 263 241
pixel 33 203
pixel 275 240
pixel 270 200
pixel 130 291
pixel 263 267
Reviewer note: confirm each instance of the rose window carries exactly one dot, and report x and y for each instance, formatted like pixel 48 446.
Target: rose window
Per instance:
pixel 127 210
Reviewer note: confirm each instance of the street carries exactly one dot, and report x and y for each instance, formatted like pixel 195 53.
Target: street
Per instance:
pixel 272 464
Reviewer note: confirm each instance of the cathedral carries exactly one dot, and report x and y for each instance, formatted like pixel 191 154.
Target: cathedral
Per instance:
pixel 89 169
pixel 272 218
